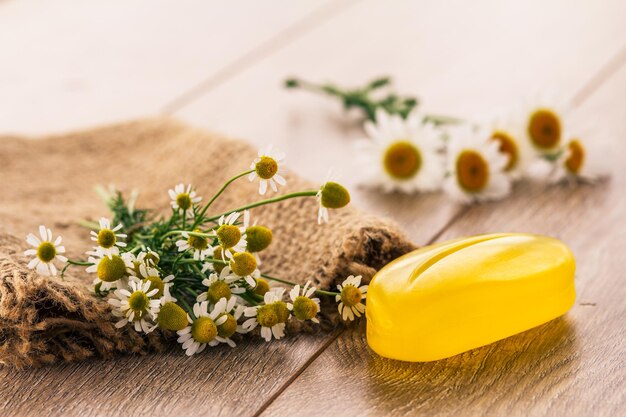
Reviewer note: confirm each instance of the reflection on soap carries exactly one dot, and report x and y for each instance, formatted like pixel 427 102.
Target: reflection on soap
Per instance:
pixel 445 299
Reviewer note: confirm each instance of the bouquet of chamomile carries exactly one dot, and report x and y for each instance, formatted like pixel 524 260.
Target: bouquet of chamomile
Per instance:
pixel 197 273
pixel 412 152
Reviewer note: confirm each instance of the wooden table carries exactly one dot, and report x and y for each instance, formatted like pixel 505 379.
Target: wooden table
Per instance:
pixel 68 65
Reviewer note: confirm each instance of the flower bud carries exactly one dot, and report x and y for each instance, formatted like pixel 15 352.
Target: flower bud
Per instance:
pixel 111 269
pixel 258 237
pixel 217 291
pixel 155 283
pixel 172 317
pixel 243 264
pixel 262 286
pixel 334 195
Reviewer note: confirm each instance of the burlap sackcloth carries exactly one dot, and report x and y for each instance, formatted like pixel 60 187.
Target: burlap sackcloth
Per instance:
pixel 51 181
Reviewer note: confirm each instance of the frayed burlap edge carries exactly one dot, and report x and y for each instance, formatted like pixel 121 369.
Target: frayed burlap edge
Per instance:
pixel 46 320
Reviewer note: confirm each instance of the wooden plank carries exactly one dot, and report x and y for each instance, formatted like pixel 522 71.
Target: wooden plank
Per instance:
pixel 67 65
pixel 221 383
pixel 573 365
pixel 464 58
pixel 132 384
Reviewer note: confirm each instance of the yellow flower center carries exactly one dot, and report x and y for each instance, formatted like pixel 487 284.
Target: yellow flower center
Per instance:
pixel 217 291
pixel 267 316
pixel 106 238
pixel 402 160
pixel 258 238
pixel 138 302
pixel 152 258
pixel 282 312
pixel 46 252
pixel 334 195
pixel 172 317
pixel 228 235
pixel 304 308
pixel 184 201
pixel 136 268
pixel 155 283
pixel 203 330
pixel 217 254
pixel 266 168
pixel 351 295
pixel 576 158
pixel 262 286
pixel 111 269
pixel 508 146
pixel 228 328
pixel 544 128
pixel 243 264
pixel 472 171
pixel 198 242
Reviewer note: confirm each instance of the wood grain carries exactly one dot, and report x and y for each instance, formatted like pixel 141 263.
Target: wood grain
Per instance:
pixel 464 58
pixel 223 382
pixel 466 71
pixel 573 365
pixel 68 65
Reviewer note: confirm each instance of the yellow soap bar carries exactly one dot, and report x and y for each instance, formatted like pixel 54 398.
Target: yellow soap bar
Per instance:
pixel 445 299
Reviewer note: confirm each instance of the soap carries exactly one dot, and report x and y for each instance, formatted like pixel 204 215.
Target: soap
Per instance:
pixel 445 299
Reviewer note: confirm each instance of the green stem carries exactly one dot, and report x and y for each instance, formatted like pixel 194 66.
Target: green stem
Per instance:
pixel 330 293
pixel 89 224
pixel 249 299
pixel 79 263
pixel 442 120
pixel 186 305
pixel 362 98
pixel 200 216
pixel 284 281
pixel 198 234
pixel 219 261
pixel 312 193
pixel 71 262
pixel 178 258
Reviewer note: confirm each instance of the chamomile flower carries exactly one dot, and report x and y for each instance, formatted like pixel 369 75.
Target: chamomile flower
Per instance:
pixel 351 294
pixel 232 311
pixel 171 316
pixel 230 236
pixel 136 305
pixel 545 119
pixel 475 167
pixel 243 265
pixel 149 257
pixel 199 245
pixel 509 134
pixel 401 154
pixel 111 271
pixel 202 330
pixel 262 286
pixel 271 316
pixel 331 195
pixel 107 239
pixel 572 165
pixel 152 275
pixel 219 286
pixel 183 198
pixel 268 168
pixel 303 306
pixel 46 253
pixel 258 238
